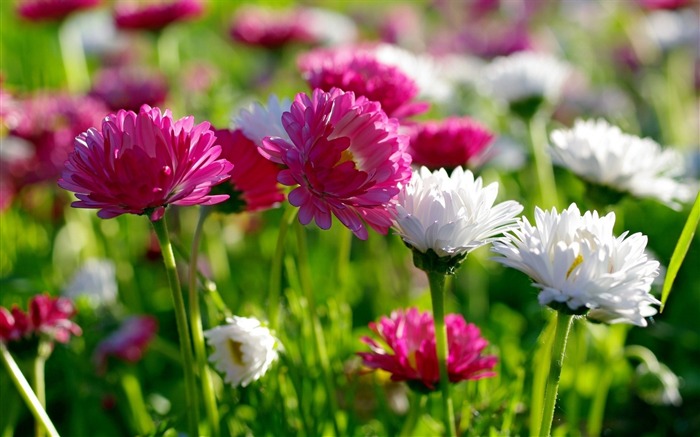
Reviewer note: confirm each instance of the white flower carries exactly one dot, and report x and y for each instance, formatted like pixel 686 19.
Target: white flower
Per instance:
pixel 669 29
pixel 331 28
pixel 96 281
pixel 523 75
pixel 576 261
pixel 243 349
pixel 602 154
pixel 452 215
pixel 260 121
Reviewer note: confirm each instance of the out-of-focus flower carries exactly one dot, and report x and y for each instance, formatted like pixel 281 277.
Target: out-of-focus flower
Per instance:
pixel 402 25
pixel 128 343
pixel 129 88
pixel 345 155
pixel 407 349
pixel 52 10
pixel 670 29
pixel 253 184
pixel 488 40
pixel 95 281
pixel 154 14
pixel 445 217
pixel 449 143
pixel 244 349
pixel 260 121
pixel 603 155
pixel 328 27
pixel 581 267
pixel 664 4
pixel 257 26
pixel 51 316
pixel 14 324
pixel 141 163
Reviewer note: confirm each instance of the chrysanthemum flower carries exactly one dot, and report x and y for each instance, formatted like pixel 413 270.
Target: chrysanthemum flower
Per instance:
pixel 257 26
pixel 253 183
pixel 95 281
pixel 664 4
pixel 140 163
pixel 128 343
pixel 14 324
pixel 449 143
pixel 449 216
pixel 603 155
pixel 154 14
pixel 260 121
pixel 407 349
pixel 40 10
pixel 345 155
pixel 243 349
pixel 579 265
pixel 129 88
pixel 51 316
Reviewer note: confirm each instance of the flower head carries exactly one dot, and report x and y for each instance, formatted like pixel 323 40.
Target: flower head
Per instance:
pixel 154 14
pixel 603 155
pixel 243 349
pixel 46 316
pixel 129 88
pixel 579 265
pixel 260 121
pixel 345 155
pixel 407 349
pixel 96 281
pixel 40 10
pixel 269 28
pixel 14 324
pixel 140 163
pixel 128 343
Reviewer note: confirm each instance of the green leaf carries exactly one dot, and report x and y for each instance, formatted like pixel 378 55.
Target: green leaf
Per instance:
pixel 681 249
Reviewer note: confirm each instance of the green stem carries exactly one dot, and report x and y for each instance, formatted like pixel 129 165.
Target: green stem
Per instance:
pixel 595 416
pixel 39 387
pixel 276 268
pixel 540 369
pixel 25 390
pixel 317 331
pixel 208 394
pixel 437 296
pixel 132 390
pixel 73 55
pixel 414 414
pixel 344 249
pixel 537 131
pixel 561 333
pixel 161 230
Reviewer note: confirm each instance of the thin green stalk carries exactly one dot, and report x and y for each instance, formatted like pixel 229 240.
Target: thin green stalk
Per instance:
pixel 40 384
pixel 208 394
pixel 132 390
pixel 343 263
pixel 161 229
pixel 25 390
pixel 597 411
pixel 537 131
pixel 275 290
pixel 437 296
pixel 414 414
pixel 561 333
pixel 73 55
pixel 540 369
pixel 306 284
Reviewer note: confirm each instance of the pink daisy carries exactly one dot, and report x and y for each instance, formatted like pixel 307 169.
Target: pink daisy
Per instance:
pixel 448 143
pixel 39 10
pixel 128 343
pixel 407 349
pixel 140 163
pixel 51 316
pixel 14 324
pixel 129 88
pixel 154 14
pixel 664 4
pixel 268 28
pixel 345 155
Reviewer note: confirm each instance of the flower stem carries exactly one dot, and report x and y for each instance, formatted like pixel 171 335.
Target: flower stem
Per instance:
pixel 208 394
pixel 276 268
pixel 132 390
pixel 73 55
pixel 417 408
pixel 161 230
pixel 25 390
pixel 43 351
pixel 537 131
pixel 317 331
pixel 437 296
pixel 561 333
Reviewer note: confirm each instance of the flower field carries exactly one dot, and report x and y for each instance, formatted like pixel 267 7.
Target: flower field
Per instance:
pixel 420 218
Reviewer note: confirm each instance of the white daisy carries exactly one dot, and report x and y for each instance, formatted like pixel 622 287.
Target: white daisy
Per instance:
pixel 602 154
pixel 95 281
pixel 243 349
pixel 258 121
pixel 579 265
pixel 329 27
pixel 450 215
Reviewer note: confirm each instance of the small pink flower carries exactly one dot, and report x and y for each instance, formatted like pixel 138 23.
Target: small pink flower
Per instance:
pixel 407 349
pixel 140 163
pixel 664 4
pixel 14 324
pixel 39 10
pixel 128 88
pixel 345 155
pixel 154 14
pixel 128 343
pixel 359 70
pixel 449 143
pixel 51 316
pixel 268 28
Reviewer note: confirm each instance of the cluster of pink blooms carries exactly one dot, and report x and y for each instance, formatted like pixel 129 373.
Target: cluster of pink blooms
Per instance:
pixel 47 316
pixel 128 343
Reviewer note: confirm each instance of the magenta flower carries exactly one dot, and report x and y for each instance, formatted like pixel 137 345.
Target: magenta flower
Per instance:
pixel 154 14
pixel 345 155
pixel 129 88
pixel 253 178
pixel 359 70
pixel 14 324
pixel 128 343
pixel 47 315
pixel 664 4
pixel 449 143
pixel 140 163
pixel 40 10
pixel 407 349
pixel 268 28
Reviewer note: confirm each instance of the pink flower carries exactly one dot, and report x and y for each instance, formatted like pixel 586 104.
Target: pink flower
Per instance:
pixel 664 4
pixel 128 343
pixel 345 155
pixel 140 163
pixel 129 88
pixel 38 10
pixel 268 28
pixel 51 316
pixel 408 349
pixel 449 143
pixel 154 14
pixel 14 324
pixel 253 178
pixel 359 70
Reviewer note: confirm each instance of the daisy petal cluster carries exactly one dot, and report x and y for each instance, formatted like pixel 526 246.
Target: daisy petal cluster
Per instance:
pixel 46 316
pixel 258 121
pixel 95 281
pixel 406 349
pixel 154 14
pixel 263 27
pixel 140 163
pixel 344 156
pixel 580 267
pixel 603 155
pixel 39 10
pixel 244 349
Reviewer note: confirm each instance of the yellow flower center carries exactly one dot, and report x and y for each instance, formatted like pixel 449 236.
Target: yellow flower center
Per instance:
pixel 234 348
pixel 345 157
pixel 577 261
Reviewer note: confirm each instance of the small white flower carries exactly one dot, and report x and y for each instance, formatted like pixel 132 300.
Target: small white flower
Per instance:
pixel 96 281
pixel 260 121
pixel 669 29
pixel 524 75
pixel 331 28
pixel 602 154
pixel 576 261
pixel 243 349
pixel 452 215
